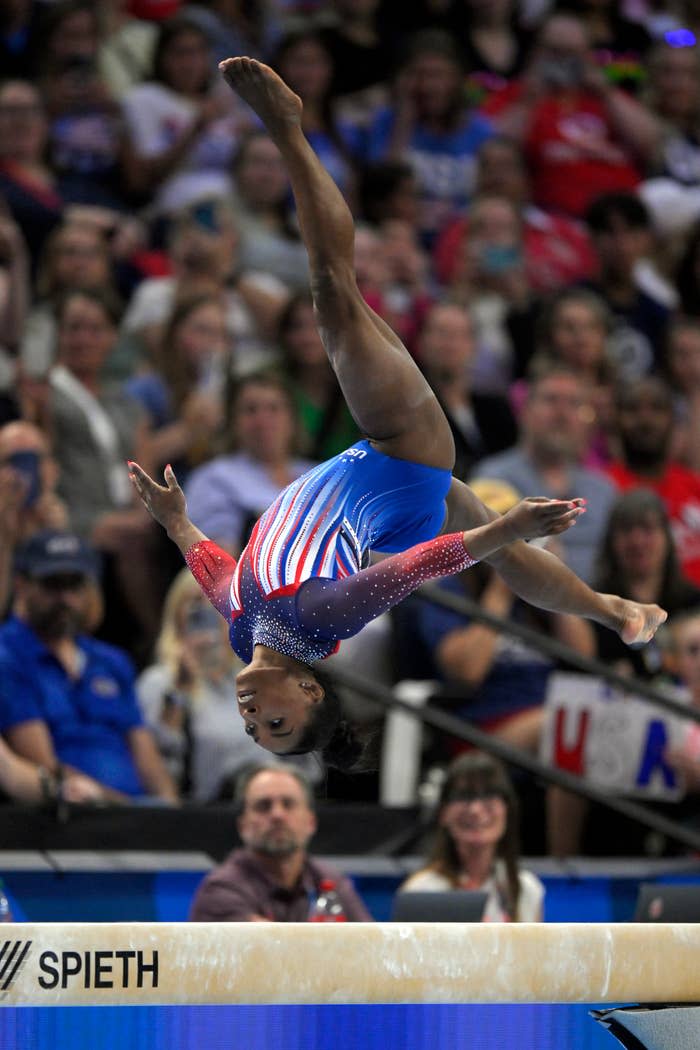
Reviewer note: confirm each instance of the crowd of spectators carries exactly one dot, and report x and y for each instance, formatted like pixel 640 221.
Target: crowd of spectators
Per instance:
pixel 525 180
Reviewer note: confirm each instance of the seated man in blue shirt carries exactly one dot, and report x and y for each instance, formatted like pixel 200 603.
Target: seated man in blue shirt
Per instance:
pixel 66 699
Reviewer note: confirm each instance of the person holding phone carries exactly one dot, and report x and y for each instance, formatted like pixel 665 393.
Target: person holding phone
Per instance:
pixel 185 697
pixel 181 127
pixel 581 134
pixel 28 498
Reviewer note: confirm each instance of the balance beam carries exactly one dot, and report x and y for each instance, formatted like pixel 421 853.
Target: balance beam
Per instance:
pixel 75 964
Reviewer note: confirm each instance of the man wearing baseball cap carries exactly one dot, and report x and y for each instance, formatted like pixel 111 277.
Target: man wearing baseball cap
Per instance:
pixel 67 700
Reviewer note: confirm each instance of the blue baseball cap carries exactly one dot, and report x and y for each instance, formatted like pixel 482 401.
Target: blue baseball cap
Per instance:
pixel 52 553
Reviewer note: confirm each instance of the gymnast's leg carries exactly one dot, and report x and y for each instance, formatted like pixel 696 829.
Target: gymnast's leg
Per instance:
pixel 384 389
pixel 388 396
pixel 545 581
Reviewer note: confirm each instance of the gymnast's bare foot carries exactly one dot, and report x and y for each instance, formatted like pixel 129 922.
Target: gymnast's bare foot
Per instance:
pixel 639 623
pixel 266 93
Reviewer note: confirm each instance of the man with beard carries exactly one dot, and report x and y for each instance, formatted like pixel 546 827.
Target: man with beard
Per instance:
pixel 67 700
pixel 554 430
pixel 273 878
pixel 645 420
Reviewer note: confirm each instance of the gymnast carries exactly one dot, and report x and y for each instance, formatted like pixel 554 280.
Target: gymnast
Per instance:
pixel 303 582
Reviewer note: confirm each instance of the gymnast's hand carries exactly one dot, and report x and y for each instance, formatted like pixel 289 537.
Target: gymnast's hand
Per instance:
pixel 164 503
pixel 539 516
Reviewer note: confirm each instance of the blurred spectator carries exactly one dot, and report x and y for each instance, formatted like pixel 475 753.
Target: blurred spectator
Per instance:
pixel 64 697
pixel 388 190
pixel 581 135
pixel 429 126
pixel 183 393
pixel 622 237
pixel 362 54
pixel 91 450
pixel 494 43
pixel 557 250
pixel 673 93
pixel 619 45
pixel 481 424
pixel 204 245
pixel 96 428
pixel 181 124
pixel 638 558
pixel 303 60
pixel 406 295
pixel 75 255
pixel 391 270
pixel 683 369
pixel 269 234
pixel 187 696
pixel 86 133
pixel 227 495
pixel 27 183
pixel 555 428
pixel 490 678
pixel 69 28
pixel 645 422
pixel 476 844
pixel 573 330
pixel 491 279
pixel 28 499
pixel 324 421
pixel 273 878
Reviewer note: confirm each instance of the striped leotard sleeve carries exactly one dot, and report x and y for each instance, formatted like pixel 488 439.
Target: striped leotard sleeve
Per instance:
pixel 340 608
pixel 213 569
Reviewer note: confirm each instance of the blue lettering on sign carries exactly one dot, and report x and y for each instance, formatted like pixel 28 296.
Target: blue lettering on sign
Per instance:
pixel 653 757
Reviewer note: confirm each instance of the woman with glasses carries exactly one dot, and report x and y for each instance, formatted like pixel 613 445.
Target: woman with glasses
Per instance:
pixel 476 842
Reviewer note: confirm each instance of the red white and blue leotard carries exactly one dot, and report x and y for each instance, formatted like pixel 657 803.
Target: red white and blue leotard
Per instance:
pixel 299 586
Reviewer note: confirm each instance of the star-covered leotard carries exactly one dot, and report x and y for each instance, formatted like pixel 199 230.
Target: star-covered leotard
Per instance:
pixel 299 586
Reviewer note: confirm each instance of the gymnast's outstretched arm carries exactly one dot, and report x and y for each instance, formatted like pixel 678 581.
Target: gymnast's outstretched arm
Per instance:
pixel 336 609
pixel 211 567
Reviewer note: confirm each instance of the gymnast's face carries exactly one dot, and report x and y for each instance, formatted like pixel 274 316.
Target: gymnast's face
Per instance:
pixel 275 703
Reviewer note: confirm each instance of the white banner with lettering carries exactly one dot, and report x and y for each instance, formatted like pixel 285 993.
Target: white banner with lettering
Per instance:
pixel 611 738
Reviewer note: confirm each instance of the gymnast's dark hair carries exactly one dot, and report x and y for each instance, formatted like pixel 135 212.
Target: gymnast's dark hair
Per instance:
pixel 340 744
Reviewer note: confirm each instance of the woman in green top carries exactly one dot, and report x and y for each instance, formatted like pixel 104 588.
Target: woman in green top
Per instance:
pixel 326 426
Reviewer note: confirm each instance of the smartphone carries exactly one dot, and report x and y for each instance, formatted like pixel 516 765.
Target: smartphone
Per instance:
pixel 205 215
pixel 202 617
pixel 498 258
pixel 27 465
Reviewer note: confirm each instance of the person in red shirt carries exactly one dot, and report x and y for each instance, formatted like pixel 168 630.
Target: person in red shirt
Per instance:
pixel 557 249
pixel 582 137
pixel 645 424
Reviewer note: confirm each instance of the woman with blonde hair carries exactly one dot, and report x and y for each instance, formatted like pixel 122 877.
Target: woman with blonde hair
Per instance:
pixel 186 696
pixel 476 842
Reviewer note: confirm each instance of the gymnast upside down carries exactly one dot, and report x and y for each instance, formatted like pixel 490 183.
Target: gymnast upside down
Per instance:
pixel 299 587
